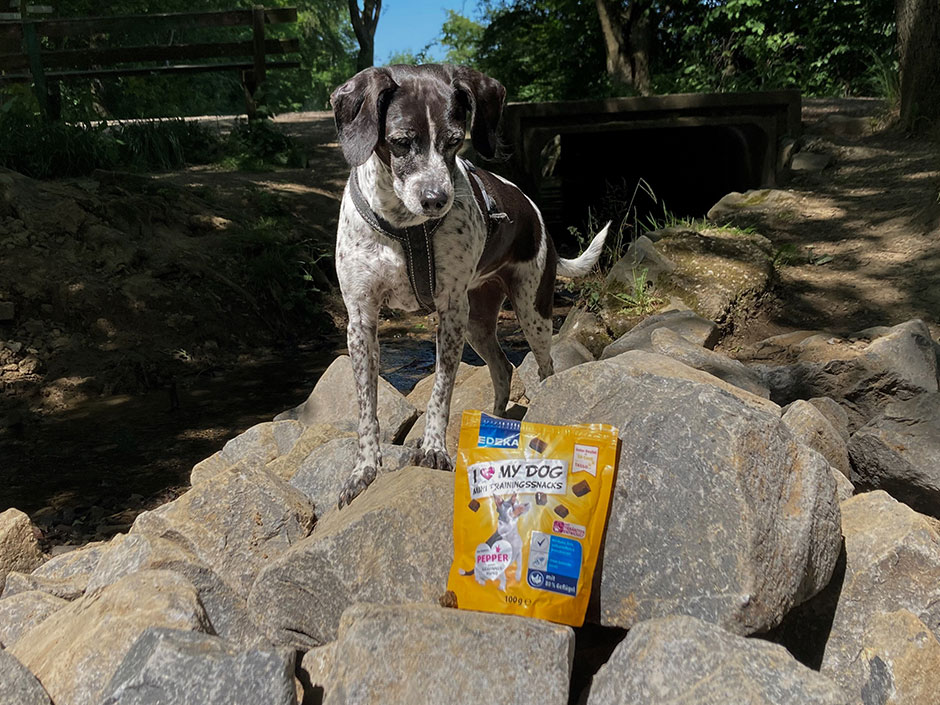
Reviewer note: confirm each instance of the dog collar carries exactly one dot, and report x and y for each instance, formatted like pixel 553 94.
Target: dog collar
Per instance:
pixel 416 241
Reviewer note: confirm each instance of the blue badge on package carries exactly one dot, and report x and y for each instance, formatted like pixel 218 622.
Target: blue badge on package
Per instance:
pixel 498 433
pixel 554 563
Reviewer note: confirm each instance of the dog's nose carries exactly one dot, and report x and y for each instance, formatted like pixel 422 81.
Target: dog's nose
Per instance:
pixel 433 199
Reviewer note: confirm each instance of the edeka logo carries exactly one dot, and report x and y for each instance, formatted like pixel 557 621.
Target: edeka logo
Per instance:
pixel 498 433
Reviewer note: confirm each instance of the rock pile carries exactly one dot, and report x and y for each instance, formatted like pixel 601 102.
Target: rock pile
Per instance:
pixel 726 525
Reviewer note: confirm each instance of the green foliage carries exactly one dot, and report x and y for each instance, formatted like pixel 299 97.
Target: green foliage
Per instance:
pixel 461 37
pixel 258 145
pixel 640 300
pixel 164 144
pixel 553 49
pixel 406 57
pixel 278 275
pixel 52 150
pixel 45 150
pixel 544 50
pixel 819 46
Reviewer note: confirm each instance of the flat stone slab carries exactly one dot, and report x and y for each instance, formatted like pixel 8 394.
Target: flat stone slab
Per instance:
pixel 173 666
pixel 75 652
pixel 899 452
pixel 393 544
pixel 687 324
pixel 333 401
pixel 426 655
pixel 685 661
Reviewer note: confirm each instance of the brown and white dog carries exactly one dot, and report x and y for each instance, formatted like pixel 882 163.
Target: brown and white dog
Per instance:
pixel 400 128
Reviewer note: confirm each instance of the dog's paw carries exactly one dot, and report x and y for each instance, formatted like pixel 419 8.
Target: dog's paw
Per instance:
pixel 357 482
pixel 436 458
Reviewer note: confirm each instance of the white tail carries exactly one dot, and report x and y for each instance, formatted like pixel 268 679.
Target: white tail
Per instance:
pixel 583 264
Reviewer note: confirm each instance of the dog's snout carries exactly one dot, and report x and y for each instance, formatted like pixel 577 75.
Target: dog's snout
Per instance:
pixel 433 199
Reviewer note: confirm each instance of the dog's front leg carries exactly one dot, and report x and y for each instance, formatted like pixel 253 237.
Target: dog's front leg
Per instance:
pixel 450 340
pixel 363 343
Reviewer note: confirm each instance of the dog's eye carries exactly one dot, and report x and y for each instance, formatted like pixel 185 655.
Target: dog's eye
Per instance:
pixel 454 140
pixel 402 143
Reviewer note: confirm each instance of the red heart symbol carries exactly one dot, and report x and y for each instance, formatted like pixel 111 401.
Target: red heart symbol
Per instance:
pixel 488 473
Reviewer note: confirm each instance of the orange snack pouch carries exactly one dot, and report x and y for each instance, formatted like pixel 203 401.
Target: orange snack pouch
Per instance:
pixel 530 508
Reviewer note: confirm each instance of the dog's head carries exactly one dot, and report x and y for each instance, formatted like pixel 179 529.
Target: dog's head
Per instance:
pixel 508 510
pixel 414 118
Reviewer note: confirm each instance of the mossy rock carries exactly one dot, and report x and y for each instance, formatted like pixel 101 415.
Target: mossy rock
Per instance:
pixel 717 271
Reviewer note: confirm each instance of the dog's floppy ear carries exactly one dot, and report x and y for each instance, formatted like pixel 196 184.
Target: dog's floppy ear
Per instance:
pixel 359 112
pixel 484 97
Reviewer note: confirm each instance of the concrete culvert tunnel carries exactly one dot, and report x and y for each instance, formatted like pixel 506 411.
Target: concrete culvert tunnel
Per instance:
pixel 680 153
pixel 681 171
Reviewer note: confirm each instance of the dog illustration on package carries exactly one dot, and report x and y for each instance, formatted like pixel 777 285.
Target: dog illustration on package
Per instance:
pixel 504 547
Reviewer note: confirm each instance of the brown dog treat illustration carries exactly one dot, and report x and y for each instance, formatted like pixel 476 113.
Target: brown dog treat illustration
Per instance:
pixel 541 499
pixel 474 505
pixel 581 489
pixel 538 445
pixel 561 510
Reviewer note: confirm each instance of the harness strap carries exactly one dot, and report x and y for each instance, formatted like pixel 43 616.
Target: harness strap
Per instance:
pixel 489 209
pixel 416 241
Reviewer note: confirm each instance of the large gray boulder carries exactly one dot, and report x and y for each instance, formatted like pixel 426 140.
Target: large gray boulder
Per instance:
pixel 284 466
pixel 755 207
pixel 258 446
pixel 641 254
pixel 639 362
pixel 834 414
pixel 863 375
pixel 235 524
pixel 253 449
pixel 75 652
pixel 898 662
pixel 66 589
pixel 671 344
pixel 421 393
pixel 393 544
pixel 587 328
pixel 425 655
pixel 65 576
pixel 808 424
pixel 687 324
pixel 566 352
pixel 19 549
pixel 892 564
pixel 333 401
pixel 719 274
pixel 717 511
pixel 132 553
pixel 18 685
pixel 77 565
pixel 23 611
pixel 173 667
pixel 685 661
pixel 899 452
pixel 324 472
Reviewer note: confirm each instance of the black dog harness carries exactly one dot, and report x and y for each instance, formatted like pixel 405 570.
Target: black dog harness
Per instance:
pixel 417 240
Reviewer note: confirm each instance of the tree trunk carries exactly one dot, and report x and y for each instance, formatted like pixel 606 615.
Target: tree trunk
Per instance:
pixel 364 23
pixel 918 23
pixel 627 34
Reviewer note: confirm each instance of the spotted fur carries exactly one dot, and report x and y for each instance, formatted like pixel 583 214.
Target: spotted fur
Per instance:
pixel 400 127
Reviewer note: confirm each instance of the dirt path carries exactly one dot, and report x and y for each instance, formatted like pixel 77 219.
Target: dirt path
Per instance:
pixel 874 210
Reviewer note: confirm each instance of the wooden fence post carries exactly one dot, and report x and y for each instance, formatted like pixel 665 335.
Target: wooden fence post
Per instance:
pixel 31 42
pixel 254 78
